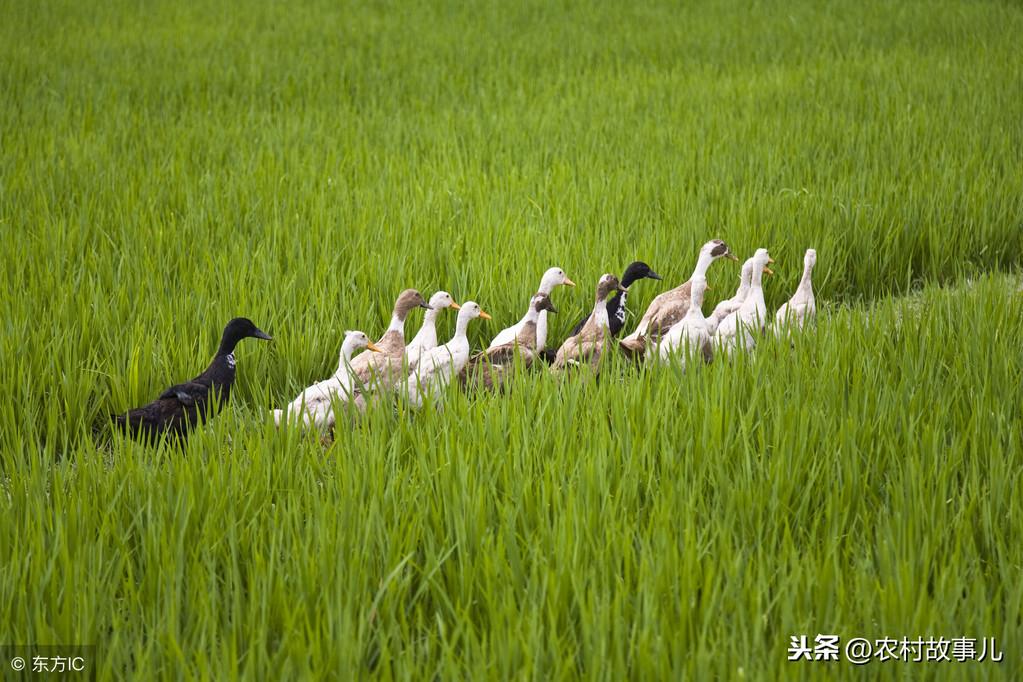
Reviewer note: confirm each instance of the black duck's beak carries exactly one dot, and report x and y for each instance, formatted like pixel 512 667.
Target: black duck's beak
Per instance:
pixel 653 275
pixel 552 309
pixel 260 334
pixel 426 305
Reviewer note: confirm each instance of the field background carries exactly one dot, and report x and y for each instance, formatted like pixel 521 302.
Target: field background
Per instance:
pixel 169 165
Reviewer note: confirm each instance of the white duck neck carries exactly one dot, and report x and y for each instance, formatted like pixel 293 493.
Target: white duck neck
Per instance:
pixel 805 283
pixel 397 324
pixel 600 314
pixel 461 326
pixel 702 265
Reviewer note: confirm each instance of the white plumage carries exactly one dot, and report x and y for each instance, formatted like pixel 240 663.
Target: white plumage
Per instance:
pixel 438 366
pixel 736 330
pixel 802 307
pixel 552 278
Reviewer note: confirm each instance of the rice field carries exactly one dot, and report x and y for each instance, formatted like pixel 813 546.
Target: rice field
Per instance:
pixel 167 166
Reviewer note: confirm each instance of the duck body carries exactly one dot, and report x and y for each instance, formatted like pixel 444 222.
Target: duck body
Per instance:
pixel 490 369
pixel 314 405
pixel 616 310
pixel 383 369
pixel 802 307
pixel 184 406
pixel 588 345
pixel 438 366
pixel 668 308
pixel 690 335
pixel 554 277
pixel 736 330
pixel 730 305
pixel 426 338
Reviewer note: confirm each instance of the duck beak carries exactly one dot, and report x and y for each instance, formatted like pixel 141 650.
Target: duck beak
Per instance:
pixel 455 306
pixel 569 282
pixel 770 260
pixel 426 305
pixel 485 315
pixel 768 270
pixel 732 256
pixel 552 309
pixel 653 275
pixel 373 347
pixel 622 289
pixel 260 334
pixel 710 288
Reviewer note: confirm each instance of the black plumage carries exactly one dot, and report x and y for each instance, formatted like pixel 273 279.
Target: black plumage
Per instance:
pixel 616 305
pixel 182 406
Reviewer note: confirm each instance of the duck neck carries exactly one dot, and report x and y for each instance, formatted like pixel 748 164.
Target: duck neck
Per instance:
pixel 397 323
pixel 804 283
pixel 600 314
pixel 227 344
pixel 461 326
pixel 702 265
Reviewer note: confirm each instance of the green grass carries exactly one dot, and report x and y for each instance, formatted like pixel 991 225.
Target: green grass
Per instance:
pixel 166 166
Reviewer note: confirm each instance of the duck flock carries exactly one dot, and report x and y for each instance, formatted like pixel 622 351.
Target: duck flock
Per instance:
pixel 672 330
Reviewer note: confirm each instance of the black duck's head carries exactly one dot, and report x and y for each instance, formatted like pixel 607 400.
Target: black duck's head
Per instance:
pixel 237 329
pixel 637 270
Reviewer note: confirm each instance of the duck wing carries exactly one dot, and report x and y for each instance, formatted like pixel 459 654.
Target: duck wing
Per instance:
pixel 188 394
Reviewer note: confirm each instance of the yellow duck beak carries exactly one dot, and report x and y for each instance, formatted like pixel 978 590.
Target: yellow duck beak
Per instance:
pixel 569 282
pixel 455 306
pixel 768 270
pixel 485 315
pixel 373 347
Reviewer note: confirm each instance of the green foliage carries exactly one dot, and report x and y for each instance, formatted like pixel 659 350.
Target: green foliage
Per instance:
pixel 166 166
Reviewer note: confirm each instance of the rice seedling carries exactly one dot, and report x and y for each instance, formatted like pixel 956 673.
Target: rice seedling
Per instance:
pixel 168 166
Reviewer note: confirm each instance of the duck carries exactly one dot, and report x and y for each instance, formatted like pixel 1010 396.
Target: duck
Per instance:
pixel 737 328
pixel 438 366
pixel 588 344
pixel 490 367
pixel 668 308
pixel 690 334
pixel 802 307
pixel 183 406
pixel 730 305
pixel 636 271
pixel 426 337
pixel 314 404
pixel 381 369
pixel 554 277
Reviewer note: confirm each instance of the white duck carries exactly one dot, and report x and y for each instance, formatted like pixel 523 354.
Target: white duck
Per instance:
pixel 737 329
pixel 802 307
pixel 730 305
pixel 690 335
pixel 314 403
pixel 426 337
pixel 671 306
pixel 438 366
pixel 382 370
pixel 552 278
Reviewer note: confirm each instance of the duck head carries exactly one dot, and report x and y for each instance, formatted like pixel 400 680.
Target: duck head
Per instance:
pixel 470 310
pixel 637 270
pixel 810 259
pixel 441 300
pixel 237 329
pixel 554 277
pixel 541 302
pixel 357 340
pixel 716 248
pixel 761 259
pixel 408 300
pixel 607 286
